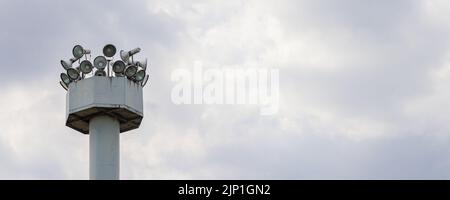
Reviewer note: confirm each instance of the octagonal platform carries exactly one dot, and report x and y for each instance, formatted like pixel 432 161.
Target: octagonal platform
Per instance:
pixel 116 97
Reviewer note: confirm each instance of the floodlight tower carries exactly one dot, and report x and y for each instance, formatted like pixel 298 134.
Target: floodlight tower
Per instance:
pixel 103 105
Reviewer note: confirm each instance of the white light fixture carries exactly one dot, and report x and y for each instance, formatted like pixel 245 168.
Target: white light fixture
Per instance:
pixel 63 85
pixel 141 64
pixel 73 74
pixel 100 62
pixel 109 50
pixel 68 64
pixel 125 55
pixel 78 51
pixel 140 75
pixel 86 66
pixel 124 67
pixel 119 67
pixel 130 71
pixel 65 78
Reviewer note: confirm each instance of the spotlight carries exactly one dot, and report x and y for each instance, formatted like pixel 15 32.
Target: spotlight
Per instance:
pixel 78 51
pixel 65 79
pixel 145 81
pixel 142 64
pixel 125 55
pixel 109 50
pixel 126 66
pixel 86 66
pixel 73 74
pixel 130 71
pixel 140 75
pixel 63 85
pixel 119 67
pixel 68 64
pixel 100 73
pixel 100 62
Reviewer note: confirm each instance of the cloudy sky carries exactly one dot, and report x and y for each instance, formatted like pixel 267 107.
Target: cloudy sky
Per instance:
pixel 364 88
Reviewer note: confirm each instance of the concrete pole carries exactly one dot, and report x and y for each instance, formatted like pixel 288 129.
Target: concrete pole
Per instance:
pixel 104 148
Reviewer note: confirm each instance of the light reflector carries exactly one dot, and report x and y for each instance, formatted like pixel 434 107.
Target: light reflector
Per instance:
pixel 63 85
pixel 109 50
pixel 141 64
pixel 125 55
pixel 65 78
pixel 86 66
pixel 119 67
pixel 100 62
pixel 68 64
pixel 130 71
pixel 73 73
pixel 140 75
pixel 78 51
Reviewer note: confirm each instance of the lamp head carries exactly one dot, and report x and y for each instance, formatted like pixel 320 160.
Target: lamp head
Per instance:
pixel 140 75
pixel 73 74
pixel 141 64
pixel 109 50
pixel 130 71
pixel 119 67
pixel 68 64
pixel 63 85
pixel 125 55
pixel 100 62
pixel 78 51
pixel 86 66
pixel 65 79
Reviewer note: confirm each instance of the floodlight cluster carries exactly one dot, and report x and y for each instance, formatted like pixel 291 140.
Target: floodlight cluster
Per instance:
pixel 104 66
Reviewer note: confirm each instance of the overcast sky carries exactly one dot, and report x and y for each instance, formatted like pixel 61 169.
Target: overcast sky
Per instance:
pixel 364 88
